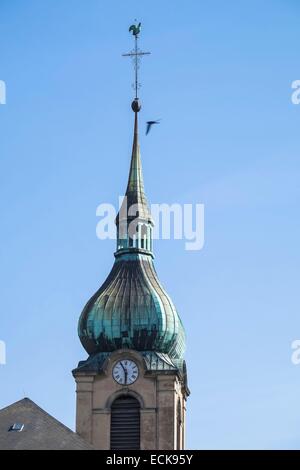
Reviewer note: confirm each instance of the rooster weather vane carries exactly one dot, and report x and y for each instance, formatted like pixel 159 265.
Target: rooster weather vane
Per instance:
pixel 136 55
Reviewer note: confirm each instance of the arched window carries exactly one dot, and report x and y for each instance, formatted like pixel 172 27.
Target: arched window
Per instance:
pixel 144 236
pixel 125 424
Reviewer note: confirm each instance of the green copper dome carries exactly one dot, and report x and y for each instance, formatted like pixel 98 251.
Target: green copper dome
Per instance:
pixel 131 309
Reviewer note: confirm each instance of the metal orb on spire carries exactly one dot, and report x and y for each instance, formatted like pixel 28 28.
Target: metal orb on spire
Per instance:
pixel 136 55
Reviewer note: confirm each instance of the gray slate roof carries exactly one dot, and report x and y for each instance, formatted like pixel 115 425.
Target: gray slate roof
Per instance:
pixel 41 431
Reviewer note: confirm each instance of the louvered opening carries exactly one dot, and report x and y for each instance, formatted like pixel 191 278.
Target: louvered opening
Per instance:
pixel 125 424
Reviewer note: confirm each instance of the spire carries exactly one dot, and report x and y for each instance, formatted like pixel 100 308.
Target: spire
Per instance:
pixel 134 221
pixel 135 180
pixel 135 192
pixel 135 206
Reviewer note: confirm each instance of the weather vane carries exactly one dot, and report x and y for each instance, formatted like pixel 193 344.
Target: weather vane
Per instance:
pixel 136 55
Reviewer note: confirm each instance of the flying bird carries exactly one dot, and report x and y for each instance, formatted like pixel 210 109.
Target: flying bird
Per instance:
pixel 150 124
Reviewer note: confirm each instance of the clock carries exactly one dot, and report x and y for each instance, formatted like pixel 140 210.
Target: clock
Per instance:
pixel 125 372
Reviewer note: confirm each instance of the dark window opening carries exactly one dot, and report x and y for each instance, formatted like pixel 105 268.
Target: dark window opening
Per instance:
pixel 125 424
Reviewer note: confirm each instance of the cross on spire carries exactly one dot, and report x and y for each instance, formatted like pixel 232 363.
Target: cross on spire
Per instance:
pixel 136 55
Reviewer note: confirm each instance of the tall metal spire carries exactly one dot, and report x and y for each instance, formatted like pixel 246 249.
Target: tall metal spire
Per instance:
pixel 135 196
pixel 135 206
pixel 136 55
pixel 135 191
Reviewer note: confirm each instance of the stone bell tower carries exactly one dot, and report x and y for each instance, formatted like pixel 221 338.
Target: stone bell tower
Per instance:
pixel 132 389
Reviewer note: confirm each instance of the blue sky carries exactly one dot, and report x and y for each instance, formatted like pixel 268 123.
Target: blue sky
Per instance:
pixel 219 77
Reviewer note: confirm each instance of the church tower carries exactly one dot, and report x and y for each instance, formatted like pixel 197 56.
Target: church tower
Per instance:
pixel 132 389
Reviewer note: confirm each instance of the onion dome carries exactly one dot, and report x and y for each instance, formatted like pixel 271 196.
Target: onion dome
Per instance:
pixel 131 309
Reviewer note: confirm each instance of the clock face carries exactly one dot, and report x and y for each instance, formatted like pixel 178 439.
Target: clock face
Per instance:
pixel 125 372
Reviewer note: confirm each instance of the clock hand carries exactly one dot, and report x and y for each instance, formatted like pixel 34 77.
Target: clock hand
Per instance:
pixel 125 372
